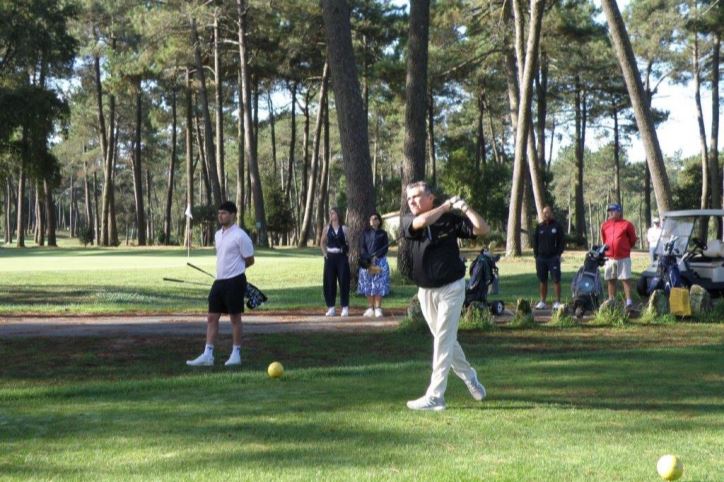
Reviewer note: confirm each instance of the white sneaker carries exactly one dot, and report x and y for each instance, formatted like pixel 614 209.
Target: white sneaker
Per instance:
pixel 345 311
pixel 378 313
pixel 427 403
pixel 202 360
pixel 234 360
pixel 369 313
pixel 557 305
pixel 541 305
pixel 330 312
pixel 477 390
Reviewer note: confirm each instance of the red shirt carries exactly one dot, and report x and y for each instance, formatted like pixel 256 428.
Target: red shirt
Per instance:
pixel 620 236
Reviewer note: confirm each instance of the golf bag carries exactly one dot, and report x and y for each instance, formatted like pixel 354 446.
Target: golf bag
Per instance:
pixel 254 296
pixel 484 281
pixel 586 287
pixel 667 273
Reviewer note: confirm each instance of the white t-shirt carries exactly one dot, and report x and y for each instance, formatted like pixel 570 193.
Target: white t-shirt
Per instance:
pixel 232 246
pixel 652 236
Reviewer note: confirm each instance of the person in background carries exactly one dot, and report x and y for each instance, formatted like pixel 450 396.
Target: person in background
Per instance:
pixel 652 237
pixel 374 282
pixel 336 265
pixel 548 245
pixel 234 254
pixel 620 237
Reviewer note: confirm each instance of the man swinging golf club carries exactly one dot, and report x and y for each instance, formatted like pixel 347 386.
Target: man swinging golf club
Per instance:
pixel 234 253
pixel 439 273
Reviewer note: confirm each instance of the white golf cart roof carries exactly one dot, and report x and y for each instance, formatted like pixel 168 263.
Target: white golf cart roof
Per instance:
pixel 694 212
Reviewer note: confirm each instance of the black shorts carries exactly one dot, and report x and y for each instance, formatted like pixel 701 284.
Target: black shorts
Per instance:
pixel 227 295
pixel 551 265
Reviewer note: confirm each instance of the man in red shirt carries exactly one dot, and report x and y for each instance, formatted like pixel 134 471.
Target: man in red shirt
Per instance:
pixel 620 236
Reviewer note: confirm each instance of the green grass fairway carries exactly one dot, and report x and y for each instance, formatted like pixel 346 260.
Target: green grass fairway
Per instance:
pixel 71 280
pixel 564 405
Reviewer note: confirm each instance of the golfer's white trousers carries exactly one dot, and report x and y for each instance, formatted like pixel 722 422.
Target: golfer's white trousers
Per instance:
pixel 441 308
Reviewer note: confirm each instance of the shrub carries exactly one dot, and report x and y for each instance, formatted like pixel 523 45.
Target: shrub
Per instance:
pixel 414 321
pixel 611 313
pixel 477 316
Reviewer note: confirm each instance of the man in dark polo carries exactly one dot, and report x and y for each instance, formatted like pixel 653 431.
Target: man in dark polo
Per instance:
pixel 548 246
pixel 438 271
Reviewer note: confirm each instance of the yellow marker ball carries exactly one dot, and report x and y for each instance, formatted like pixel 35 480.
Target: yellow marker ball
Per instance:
pixel 275 369
pixel 670 467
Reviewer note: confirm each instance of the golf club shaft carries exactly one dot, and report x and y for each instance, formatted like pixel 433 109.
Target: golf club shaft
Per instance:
pixel 174 280
pixel 199 269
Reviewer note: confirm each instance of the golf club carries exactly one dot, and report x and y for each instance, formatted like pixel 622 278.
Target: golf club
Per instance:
pixel 199 269
pixel 174 280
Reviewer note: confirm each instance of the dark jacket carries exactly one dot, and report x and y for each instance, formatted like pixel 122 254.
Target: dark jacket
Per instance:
pixel 548 240
pixel 373 242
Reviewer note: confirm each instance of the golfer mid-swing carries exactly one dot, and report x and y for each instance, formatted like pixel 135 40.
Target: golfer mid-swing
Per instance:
pixel 439 273
pixel 234 253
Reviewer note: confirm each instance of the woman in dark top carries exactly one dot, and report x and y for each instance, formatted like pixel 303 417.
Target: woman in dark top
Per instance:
pixel 374 282
pixel 336 265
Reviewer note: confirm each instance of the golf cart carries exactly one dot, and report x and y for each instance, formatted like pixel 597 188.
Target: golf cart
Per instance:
pixel 699 261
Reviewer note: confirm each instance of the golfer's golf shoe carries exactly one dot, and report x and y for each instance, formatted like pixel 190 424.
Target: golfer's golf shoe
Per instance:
pixel 427 403
pixel 477 390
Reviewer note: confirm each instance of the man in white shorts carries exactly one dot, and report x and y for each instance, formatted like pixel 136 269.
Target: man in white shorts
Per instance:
pixel 620 237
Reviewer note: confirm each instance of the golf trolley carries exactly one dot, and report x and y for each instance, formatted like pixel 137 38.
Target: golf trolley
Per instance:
pixel 484 281
pixel 667 272
pixel 586 286
pixel 689 258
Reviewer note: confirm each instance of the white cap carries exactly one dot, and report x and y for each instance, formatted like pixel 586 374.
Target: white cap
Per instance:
pixel 656 220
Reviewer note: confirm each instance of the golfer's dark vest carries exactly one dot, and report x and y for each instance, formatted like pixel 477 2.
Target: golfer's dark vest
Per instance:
pixel 337 240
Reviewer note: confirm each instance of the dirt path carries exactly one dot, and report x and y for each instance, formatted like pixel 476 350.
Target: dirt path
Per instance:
pixel 192 325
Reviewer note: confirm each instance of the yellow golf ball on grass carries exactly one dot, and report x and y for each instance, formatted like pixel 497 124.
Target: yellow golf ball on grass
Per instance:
pixel 275 369
pixel 670 467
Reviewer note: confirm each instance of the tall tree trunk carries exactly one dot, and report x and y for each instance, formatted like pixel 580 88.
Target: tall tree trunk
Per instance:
pixel 641 107
pixel 256 191
pixel 137 172
pixel 171 171
pixel 305 164
pixel 647 196
pixel 189 159
pixel 39 215
pixel 208 136
pixel 50 221
pixel 96 216
pixel 431 137
pixel 292 142
pixel 103 239
pixel 351 120
pixel 87 200
pixel 309 204
pixel 705 176
pixel 522 142
pixel 112 222
pixel 204 162
pixel 219 110
pixel 324 177
pixel 413 166
pixel 270 108
pixel 541 88
pixel 480 134
pixel 8 210
pixel 716 176
pixel 580 206
pixel 20 206
pixel 616 156
pixel 72 207
pixel 240 174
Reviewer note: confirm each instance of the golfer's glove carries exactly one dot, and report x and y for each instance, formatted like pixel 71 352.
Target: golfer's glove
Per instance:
pixel 461 205
pixel 452 200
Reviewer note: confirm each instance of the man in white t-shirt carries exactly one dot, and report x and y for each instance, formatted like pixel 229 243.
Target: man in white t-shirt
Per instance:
pixel 652 237
pixel 234 253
